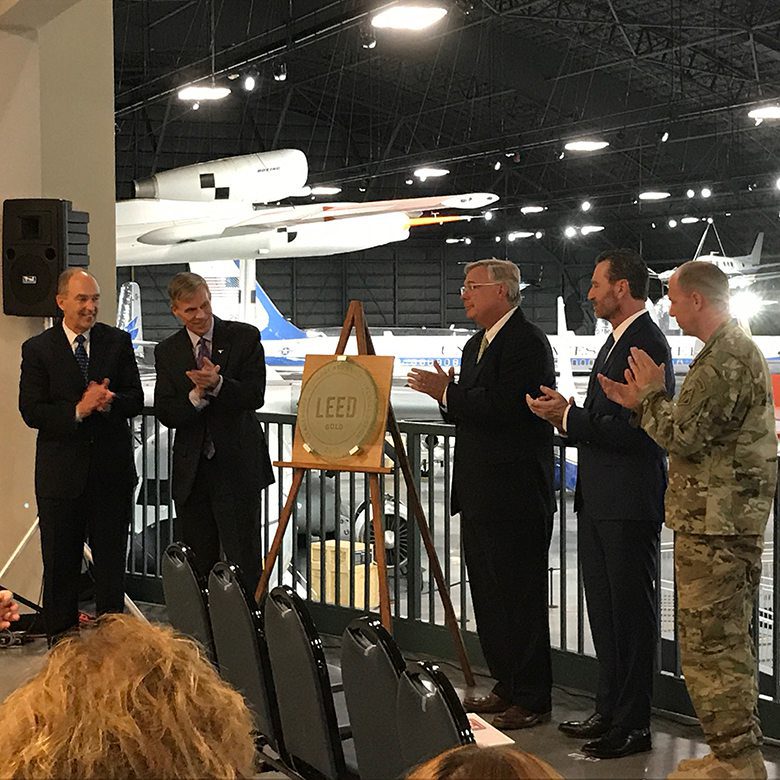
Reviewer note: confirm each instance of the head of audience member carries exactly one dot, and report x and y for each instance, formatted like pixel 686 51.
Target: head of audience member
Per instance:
pixel 126 699
pixel 190 300
pixel 490 763
pixel 78 297
pixel 491 288
pixel 699 294
pixel 619 285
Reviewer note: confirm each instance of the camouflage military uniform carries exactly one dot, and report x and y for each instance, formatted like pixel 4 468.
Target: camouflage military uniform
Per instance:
pixel 720 435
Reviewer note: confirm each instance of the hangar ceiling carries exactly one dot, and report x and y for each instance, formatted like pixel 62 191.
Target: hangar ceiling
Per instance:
pixel 496 82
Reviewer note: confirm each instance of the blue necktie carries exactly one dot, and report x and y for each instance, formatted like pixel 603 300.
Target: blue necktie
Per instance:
pixel 81 355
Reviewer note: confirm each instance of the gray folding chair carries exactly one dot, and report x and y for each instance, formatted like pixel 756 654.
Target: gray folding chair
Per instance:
pixel 318 746
pixel 186 597
pixel 429 714
pixel 242 654
pixel 371 667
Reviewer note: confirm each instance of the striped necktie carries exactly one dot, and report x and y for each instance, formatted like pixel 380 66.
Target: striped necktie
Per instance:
pixel 81 355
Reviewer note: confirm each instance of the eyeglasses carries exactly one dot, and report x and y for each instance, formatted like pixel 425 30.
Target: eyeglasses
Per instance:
pixel 471 287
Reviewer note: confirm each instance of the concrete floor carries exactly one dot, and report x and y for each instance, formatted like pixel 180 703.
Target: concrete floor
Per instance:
pixel 672 739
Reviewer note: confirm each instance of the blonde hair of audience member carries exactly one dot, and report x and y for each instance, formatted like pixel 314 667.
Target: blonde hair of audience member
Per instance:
pixel 470 762
pixel 126 699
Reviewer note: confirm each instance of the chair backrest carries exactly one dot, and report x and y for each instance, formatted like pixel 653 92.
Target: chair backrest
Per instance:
pixel 371 666
pixel 242 652
pixel 429 714
pixel 186 596
pixel 306 709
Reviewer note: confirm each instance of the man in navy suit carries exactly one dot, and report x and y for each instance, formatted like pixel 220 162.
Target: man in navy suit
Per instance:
pixel 502 485
pixel 210 381
pixel 79 386
pixel 619 500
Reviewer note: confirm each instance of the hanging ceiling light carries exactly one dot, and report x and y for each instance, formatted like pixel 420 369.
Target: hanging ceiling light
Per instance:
pixel 585 205
pixel 203 93
pixel 586 229
pixel 706 192
pixel 689 220
pixel 430 173
pixel 280 71
pixel 532 209
pixel 764 112
pixel 653 195
pixel 250 81
pixel 410 15
pixel 585 145
pixel 570 232
pixel 367 38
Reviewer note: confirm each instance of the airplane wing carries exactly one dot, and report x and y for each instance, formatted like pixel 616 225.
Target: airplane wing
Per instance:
pixel 198 228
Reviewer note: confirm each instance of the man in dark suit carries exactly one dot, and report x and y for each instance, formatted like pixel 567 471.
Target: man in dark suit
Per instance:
pixel 210 381
pixel 502 487
pixel 79 385
pixel 619 500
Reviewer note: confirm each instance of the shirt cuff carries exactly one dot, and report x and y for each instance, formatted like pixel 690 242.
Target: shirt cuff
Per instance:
pixel 198 402
pixel 565 419
pixel 443 402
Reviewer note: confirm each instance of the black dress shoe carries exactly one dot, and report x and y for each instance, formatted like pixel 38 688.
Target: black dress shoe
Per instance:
pixel 617 743
pixel 594 726
pixel 490 703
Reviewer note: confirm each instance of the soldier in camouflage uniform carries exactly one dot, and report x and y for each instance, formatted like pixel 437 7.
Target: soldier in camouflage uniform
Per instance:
pixel 720 435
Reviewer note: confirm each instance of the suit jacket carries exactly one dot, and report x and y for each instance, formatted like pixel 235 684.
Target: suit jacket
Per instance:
pixel 50 386
pixel 621 471
pixel 242 452
pixel 503 452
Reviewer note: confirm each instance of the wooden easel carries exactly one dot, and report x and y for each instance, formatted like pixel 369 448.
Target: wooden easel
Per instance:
pixel 356 319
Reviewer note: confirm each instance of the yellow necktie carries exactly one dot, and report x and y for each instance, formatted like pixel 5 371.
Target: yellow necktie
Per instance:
pixel 483 346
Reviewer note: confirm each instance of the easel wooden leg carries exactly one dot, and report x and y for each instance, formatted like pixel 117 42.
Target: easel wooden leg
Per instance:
pixel 433 559
pixel 284 519
pixel 377 514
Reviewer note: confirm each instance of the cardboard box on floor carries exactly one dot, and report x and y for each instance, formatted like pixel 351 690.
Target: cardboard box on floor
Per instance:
pixel 345 567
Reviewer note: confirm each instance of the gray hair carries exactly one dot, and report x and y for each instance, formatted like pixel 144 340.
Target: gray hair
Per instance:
pixel 185 285
pixel 706 279
pixel 63 280
pixel 502 271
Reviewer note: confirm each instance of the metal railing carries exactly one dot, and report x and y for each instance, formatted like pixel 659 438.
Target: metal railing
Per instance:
pixel 327 556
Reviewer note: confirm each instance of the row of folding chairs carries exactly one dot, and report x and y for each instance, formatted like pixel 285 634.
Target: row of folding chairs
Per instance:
pixel 375 718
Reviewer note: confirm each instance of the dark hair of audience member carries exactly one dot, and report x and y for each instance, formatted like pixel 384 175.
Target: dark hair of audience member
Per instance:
pixel 470 762
pixel 126 699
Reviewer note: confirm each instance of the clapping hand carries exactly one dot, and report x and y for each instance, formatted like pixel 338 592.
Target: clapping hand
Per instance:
pixel 550 405
pixel 643 376
pixel 432 383
pixel 205 378
pixel 96 397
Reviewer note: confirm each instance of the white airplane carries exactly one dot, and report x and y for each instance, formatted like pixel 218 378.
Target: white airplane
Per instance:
pixel 742 270
pixel 216 211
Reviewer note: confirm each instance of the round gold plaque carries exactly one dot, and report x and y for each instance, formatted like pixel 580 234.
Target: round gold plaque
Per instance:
pixel 337 410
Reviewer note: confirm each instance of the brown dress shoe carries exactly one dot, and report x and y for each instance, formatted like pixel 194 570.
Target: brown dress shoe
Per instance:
pixel 517 717
pixel 485 704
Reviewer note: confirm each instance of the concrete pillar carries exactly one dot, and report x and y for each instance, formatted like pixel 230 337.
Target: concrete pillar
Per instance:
pixel 56 141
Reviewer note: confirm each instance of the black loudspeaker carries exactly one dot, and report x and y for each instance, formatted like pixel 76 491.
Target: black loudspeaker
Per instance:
pixel 41 237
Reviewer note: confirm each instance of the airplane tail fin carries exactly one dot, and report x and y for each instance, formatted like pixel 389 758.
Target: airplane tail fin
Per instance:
pixel 755 253
pixel 566 384
pixel 128 314
pixel 272 323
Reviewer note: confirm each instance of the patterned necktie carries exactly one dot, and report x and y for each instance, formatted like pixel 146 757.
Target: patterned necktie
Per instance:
pixel 204 352
pixel 483 345
pixel 81 355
